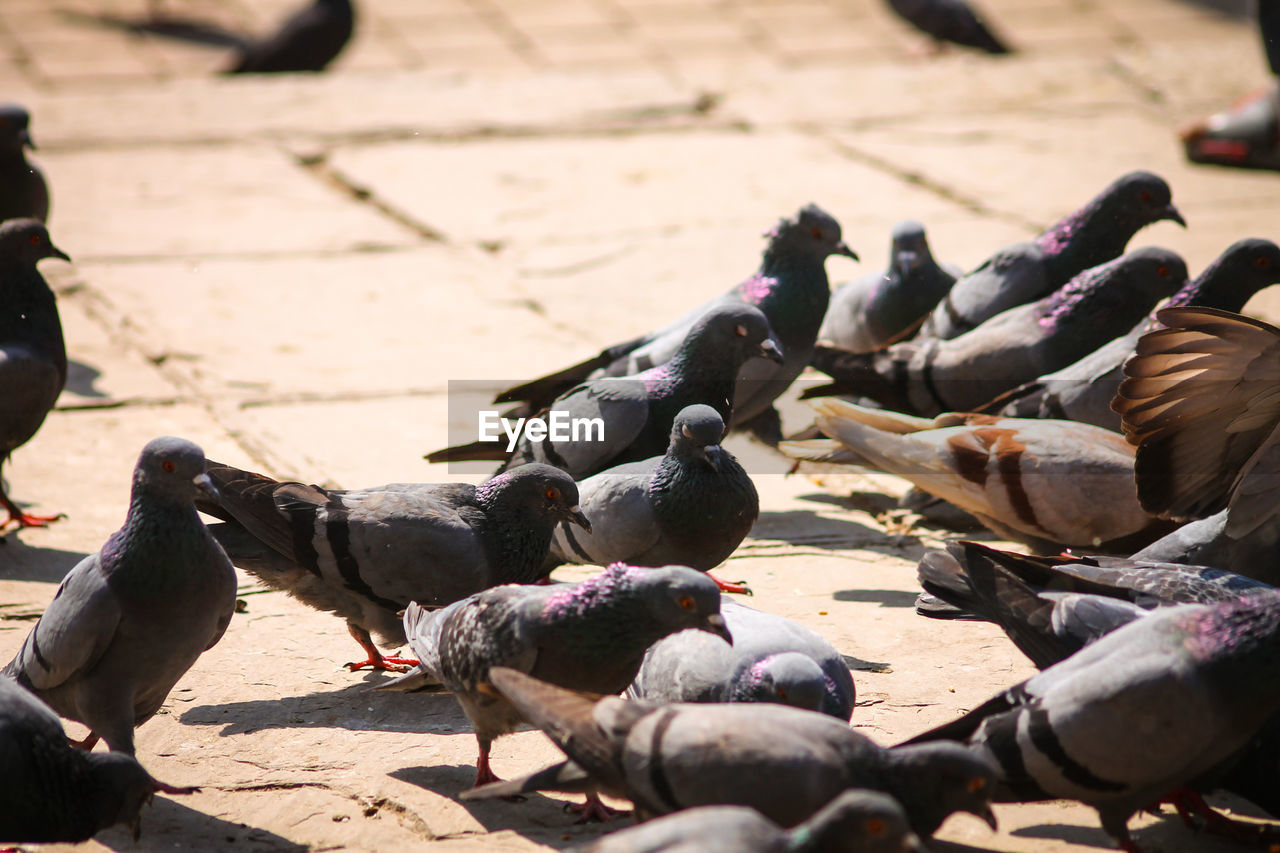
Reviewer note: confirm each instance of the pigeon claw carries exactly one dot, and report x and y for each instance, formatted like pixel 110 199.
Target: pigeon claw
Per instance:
pixel 593 810
pixel 20 519
pixel 383 663
pixel 739 587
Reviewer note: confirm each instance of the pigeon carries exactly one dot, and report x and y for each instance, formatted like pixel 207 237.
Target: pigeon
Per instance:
pixel 954 21
pixel 883 308
pixel 930 376
pixel 308 40
pixel 1084 390
pixel 586 636
pixel 364 554
pixel 1046 483
pixel 856 821
pixel 1025 272
pixel 635 413
pixel 784 762
pixel 790 287
pixel 772 659
pixel 55 792
pixel 33 356
pixel 691 507
pixel 23 192
pixel 1158 708
pixel 130 620
pixel 1212 542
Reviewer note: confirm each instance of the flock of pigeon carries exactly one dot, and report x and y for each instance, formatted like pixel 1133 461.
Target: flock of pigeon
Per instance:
pixel 1065 393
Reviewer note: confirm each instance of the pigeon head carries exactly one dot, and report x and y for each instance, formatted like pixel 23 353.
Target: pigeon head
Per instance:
pixel 26 241
pixel 697 433
pixel 1246 267
pixel 1155 272
pixel 812 232
pixel 787 678
pixel 1119 292
pixel 120 788
pixel 170 466
pixel 910 249
pixel 1138 199
pixel 732 332
pixel 866 821
pixel 15 133
pixel 679 597
pixel 534 491
pixel 933 780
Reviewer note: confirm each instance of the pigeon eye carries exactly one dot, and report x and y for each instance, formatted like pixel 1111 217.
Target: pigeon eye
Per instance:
pixel 1145 196
pixel 975 784
pixel 742 331
pixel 553 494
pixel 817 234
pixel 1163 272
pixel 169 466
pixel 34 239
pixel 1262 263
pixel 782 693
pixel 686 603
pixel 874 827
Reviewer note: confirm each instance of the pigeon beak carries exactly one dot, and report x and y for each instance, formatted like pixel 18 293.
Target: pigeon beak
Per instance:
pixel 24 136
pixel 55 252
pixel 712 454
pixel 205 484
pixel 843 249
pixel 1172 213
pixel 772 350
pixel 989 816
pixel 911 844
pixel 909 260
pixel 578 517
pixel 715 625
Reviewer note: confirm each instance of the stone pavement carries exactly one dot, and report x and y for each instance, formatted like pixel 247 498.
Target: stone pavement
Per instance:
pixel 291 271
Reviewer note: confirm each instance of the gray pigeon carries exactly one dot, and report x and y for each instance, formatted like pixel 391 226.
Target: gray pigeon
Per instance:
pixel 636 412
pixel 364 554
pixel 790 287
pixel 784 762
pixel 33 356
pixel 954 21
pixel 883 308
pixel 1161 705
pixel 772 659
pixel 928 376
pixel 23 192
pixel 1083 391
pixel 1025 272
pixel 691 507
pixel 854 822
pixel 1213 542
pixel 587 636
pixel 54 792
pixel 130 620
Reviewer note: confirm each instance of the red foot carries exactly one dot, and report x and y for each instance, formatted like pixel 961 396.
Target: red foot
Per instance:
pixel 89 742
pixel 592 811
pixel 730 586
pixel 21 519
pixel 484 773
pixel 1189 804
pixel 383 663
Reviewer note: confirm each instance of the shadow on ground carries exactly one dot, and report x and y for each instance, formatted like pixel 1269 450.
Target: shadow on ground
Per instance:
pixel 22 562
pixel 806 528
pixel 166 823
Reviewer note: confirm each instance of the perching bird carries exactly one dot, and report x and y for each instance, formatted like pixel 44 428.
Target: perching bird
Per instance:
pixel 1047 483
pixel 928 376
pixel 33 356
pixel 790 287
pixel 588 636
pixel 1158 708
pixel 691 507
pixel 883 308
pixel 130 620
pixel 772 659
pixel 1083 391
pixel 954 21
pixel 23 192
pixel 856 821
pixel 636 412
pixel 784 762
pixel 1025 272
pixel 54 792
pixel 364 554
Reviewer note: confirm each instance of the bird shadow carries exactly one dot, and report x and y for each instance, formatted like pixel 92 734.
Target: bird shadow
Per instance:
pixel 81 378
pixel 805 528
pixel 167 824
pixel 883 597
pixel 1166 834
pixel 22 562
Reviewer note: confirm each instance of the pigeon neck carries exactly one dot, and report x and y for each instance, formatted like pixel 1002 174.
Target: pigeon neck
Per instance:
pixel 1239 643
pixel 679 493
pixel 516 540
pixel 29 313
pixel 14 158
pixel 1082 240
pixel 1219 288
pixel 790 285
pixel 1106 295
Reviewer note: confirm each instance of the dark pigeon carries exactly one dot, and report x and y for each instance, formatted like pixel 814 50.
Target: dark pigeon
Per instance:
pixel 130 620
pixel 636 412
pixel 364 554
pixel 854 822
pixel 790 287
pixel 1212 542
pixel 691 507
pixel 308 40
pixel 1026 272
pixel 23 192
pixel 588 636
pixel 54 792
pixel 950 21
pixel 883 308
pixel 928 376
pixel 33 356
pixel 772 659
pixel 1084 390
pixel 784 762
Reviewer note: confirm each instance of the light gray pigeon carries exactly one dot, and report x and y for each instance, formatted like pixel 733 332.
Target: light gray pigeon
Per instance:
pixel 691 507
pixel 784 762
pixel 854 822
pixel 950 21
pixel 364 554
pixel 587 636
pixel 33 357
pixel 790 287
pixel 54 792
pixel 772 659
pixel 636 412
pixel 883 308
pixel 130 620
pixel 928 376
pixel 1025 272
pixel 23 192
pixel 1083 391
pixel 1161 705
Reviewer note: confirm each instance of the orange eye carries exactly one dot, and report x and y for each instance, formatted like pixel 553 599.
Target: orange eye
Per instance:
pixel 975 784
pixel 553 494
pixel 1145 196
pixel 742 331
pixel 169 466
pixel 1262 263
pixel 1163 272
pixel 875 827
pixel 35 239
pixel 817 235
pixel 687 603
pixel 782 693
